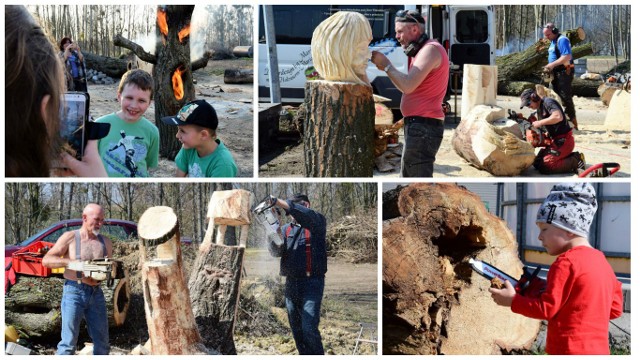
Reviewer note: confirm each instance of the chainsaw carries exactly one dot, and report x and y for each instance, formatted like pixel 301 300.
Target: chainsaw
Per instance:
pixel 529 284
pixel 534 136
pixel 268 214
pixel 101 269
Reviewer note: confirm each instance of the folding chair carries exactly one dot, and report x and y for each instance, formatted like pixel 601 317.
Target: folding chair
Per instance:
pixel 369 329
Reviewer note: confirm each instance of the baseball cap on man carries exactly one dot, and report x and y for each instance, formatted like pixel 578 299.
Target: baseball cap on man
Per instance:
pixel 299 197
pixel 197 112
pixel 525 97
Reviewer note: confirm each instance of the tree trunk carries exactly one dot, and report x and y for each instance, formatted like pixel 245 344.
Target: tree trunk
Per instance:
pixel 492 148
pixel 433 303
pixel 173 66
pixel 338 129
pixel 33 304
pixel 238 76
pixel 478 87
pixel 171 324
pixel 214 287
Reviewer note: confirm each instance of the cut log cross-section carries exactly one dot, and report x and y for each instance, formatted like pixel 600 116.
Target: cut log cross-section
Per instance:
pixel 433 303
pixel 214 282
pixel 339 129
pixel 172 326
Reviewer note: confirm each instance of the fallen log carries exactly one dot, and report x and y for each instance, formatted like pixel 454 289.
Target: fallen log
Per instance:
pixel 112 67
pixel 171 324
pixel 238 76
pixel 33 304
pixel 527 65
pixel 433 303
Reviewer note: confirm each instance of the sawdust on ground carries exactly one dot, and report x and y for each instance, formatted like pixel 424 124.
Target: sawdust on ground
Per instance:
pixel 597 143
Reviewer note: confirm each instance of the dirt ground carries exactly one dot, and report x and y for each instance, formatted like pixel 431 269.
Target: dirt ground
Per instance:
pixel 597 143
pixel 350 298
pixel 233 104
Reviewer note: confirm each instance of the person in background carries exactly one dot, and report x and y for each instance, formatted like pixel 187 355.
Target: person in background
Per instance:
pixel 73 60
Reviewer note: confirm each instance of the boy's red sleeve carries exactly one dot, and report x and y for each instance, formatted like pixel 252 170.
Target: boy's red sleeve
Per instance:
pixel 616 306
pixel 544 307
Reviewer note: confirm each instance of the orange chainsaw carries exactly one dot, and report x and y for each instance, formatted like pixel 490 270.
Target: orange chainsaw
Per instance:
pixel 534 136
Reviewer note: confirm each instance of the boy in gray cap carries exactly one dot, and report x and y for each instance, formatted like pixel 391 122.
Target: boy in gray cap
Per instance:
pixel 582 292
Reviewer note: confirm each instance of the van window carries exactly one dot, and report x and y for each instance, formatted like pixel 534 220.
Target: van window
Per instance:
pixel 295 23
pixel 472 27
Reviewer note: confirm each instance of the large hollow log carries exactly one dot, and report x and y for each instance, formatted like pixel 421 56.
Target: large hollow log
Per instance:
pixel 171 324
pixel 489 147
pixel 338 129
pixel 433 303
pixel 33 304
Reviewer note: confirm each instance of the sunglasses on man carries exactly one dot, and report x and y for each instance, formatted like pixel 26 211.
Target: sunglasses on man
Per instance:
pixel 404 14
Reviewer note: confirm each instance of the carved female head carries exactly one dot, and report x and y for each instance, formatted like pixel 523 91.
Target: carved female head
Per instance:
pixel 340 47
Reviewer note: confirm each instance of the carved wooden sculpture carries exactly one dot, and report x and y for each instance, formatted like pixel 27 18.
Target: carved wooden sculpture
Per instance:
pixel 339 128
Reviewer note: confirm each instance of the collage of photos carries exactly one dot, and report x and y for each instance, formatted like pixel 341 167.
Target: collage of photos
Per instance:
pixel 298 232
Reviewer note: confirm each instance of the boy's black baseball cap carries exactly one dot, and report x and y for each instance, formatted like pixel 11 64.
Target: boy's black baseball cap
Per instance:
pixel 197 112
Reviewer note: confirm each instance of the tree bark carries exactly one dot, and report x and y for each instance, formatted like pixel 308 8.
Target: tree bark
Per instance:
pixel 527 65
pixel 173 56
pixel 214 287
pixel 112 67
pixel 338 129
pixel 433 303
pixel 171 324
pixel 238 76
pixel 33 304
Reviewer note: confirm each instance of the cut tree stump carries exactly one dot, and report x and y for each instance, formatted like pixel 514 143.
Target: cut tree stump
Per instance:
pixel 433 303
pixel 172 326
pixel 339 133
pixel 238 76
pixel 479 87
pixel 214 283
pixel 491 148
pixel 33 304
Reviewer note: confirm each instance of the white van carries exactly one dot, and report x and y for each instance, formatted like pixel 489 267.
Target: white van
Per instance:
pixel 467 32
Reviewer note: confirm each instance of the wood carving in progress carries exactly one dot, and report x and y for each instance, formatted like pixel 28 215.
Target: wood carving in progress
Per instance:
pixel 340 47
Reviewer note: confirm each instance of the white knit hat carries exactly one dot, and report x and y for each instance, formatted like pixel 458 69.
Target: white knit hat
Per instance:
pixel 570 207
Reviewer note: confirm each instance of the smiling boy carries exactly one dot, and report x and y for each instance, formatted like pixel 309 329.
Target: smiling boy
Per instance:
pixel 133 143
pixel 202 154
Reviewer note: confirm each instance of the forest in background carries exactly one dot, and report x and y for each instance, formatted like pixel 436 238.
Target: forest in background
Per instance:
pixel 608 27
pixel 30 207
pixel 214 27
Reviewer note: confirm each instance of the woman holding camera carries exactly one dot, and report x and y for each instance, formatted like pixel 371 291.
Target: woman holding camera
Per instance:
pixel 74 64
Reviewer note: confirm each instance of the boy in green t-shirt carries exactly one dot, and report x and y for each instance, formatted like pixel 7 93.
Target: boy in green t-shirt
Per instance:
pixel 202 155
pixel 133 143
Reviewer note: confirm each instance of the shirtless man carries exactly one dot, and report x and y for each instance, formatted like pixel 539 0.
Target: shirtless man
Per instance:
pixel 82 297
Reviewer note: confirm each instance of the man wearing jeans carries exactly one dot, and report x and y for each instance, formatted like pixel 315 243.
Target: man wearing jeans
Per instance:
pixel 423 90
pixel 304 262
pixel 82 297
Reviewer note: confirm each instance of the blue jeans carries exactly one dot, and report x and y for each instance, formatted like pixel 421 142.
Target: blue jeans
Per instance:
pixel 80 301
pixel 422 138
pixel 303 297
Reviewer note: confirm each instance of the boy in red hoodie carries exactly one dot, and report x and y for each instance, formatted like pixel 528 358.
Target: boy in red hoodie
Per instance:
pixel 582 292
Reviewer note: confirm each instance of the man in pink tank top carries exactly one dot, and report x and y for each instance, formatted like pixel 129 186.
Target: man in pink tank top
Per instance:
pixel 423 90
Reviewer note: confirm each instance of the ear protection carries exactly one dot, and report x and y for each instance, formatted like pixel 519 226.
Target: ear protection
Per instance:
pixel 534 97
pixel 415 46
pixel 555 31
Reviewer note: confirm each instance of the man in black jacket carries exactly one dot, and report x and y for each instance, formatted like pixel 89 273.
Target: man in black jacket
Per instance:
pixel 304 262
